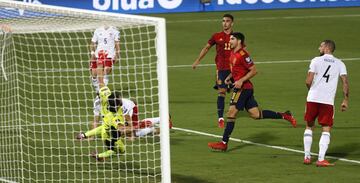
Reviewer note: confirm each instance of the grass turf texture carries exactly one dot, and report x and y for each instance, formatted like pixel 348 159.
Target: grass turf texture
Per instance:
pixel 270 35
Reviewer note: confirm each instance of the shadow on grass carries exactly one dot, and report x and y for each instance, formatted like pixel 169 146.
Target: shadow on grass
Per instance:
pixel 237 147
pixel 177 178
pixel 343 151
pixel 262 138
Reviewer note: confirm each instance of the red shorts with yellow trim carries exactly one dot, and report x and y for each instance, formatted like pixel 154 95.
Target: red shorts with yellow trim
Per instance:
pixel 323 112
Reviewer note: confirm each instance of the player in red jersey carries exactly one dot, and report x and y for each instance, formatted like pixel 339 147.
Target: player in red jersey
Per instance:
pixel 223 49
pixel 242 70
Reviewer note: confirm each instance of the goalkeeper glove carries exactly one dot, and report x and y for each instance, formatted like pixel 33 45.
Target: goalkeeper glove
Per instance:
pixel 104 92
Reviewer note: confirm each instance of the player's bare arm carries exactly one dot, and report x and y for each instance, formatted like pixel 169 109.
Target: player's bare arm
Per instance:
pixel 345 83
pixel 117 51
pixel 129 129
pixel 309 79
pixel 252 72
pixel 228 79
pixel 201 55
pixel 92 50
pixel 5 28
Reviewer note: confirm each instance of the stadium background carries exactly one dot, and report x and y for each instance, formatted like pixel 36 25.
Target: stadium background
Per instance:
pixel 281 42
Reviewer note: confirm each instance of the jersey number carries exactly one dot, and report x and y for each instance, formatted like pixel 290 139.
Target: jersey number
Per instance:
pixel 105 40
pixel 227 46
pixel 326 75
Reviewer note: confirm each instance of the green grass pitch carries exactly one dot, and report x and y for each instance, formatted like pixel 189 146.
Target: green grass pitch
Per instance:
pixel 289 38
pixel 282 35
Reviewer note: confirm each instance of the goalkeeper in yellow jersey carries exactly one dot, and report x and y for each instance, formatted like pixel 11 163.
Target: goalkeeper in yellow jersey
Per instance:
pixel 112 127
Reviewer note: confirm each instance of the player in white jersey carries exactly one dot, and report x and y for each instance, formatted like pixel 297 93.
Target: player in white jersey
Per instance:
pixel 105 50
pixel 322 80
pixel 128 107
pixel 130 113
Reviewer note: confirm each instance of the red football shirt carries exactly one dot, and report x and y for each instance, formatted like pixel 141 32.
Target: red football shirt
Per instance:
pixel 223 49
pixel 240 63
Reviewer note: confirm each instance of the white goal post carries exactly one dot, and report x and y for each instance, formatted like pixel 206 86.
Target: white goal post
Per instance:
pixel 46 95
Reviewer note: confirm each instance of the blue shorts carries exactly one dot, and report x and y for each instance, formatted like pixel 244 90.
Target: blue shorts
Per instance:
pixel 243 99
pixel 220 78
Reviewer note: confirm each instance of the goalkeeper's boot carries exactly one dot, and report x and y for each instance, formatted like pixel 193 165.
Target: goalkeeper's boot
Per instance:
pixel 95 155
pixel 81 136
pixel 289 117
pixel 218 146
pixel 307 161
pixel 324 163
pixel 221 123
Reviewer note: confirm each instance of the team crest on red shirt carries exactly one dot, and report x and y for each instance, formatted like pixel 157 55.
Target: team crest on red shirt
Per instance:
pixel 248 60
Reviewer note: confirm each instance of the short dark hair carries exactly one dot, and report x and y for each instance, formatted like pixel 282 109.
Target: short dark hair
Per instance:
pixel 114 102
pixel 330 44
pixel 229 16
pixel 239 36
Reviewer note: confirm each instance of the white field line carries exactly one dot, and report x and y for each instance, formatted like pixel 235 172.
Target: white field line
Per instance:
pixel 176 66
pixel 264 62
pixel 269 18
pixel 263 145
pixel 7 181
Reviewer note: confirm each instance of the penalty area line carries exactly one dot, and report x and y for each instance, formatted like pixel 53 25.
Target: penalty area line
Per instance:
pixel 263 145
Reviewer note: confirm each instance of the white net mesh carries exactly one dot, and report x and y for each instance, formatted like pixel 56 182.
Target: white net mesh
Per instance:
pixel 47 97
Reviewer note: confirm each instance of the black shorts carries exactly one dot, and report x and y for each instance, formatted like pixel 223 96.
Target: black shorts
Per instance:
pixel 220 78
pixel 243 98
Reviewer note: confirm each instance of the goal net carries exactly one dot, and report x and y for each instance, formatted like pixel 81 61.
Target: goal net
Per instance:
pixel 46 95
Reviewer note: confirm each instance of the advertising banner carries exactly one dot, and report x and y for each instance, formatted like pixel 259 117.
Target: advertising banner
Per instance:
pixel 172 6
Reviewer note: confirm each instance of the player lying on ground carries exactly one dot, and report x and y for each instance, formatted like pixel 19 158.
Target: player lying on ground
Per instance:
pixel 242 70
pixel 130 113
pixel 112 127
pixel 147 126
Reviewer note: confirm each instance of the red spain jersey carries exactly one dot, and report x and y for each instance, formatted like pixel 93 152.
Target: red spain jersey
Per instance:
pixel 223 49
pixel 240 63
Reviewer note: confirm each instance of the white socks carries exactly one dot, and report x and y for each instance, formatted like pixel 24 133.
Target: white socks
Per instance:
pixel 144 131
pixel 154 121
pixel 323 145
pixel 106 79
pixel 307 142
pixel 95 83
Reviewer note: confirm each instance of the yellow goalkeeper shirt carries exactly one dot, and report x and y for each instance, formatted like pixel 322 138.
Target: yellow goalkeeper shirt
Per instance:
pixel 109 118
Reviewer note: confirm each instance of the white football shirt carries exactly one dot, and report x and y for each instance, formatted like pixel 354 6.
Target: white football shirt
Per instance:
pixel 127 106
pixel 327 69
pixel 105 39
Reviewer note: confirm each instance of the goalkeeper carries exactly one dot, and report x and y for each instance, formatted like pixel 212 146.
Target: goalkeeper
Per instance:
pixel 112 127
